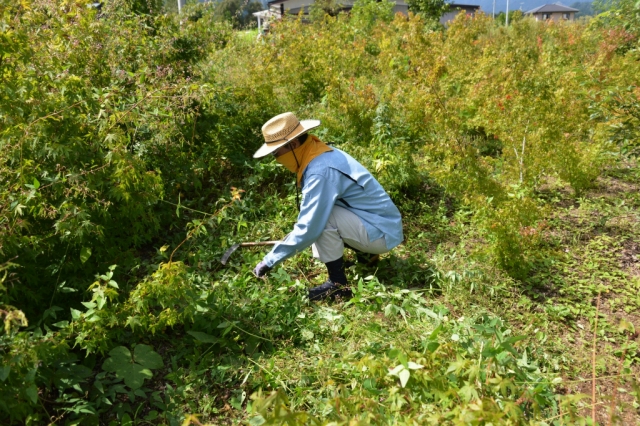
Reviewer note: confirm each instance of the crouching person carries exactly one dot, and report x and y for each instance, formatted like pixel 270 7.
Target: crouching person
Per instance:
pixel 343 205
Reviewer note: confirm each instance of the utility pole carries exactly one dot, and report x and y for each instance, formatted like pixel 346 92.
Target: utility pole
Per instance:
pixel 507 13
pixel 179 6
pixel 494 9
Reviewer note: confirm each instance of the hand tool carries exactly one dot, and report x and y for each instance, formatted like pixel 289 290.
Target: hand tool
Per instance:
pixel 228 253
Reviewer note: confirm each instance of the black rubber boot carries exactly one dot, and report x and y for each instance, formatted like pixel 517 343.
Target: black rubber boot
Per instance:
pixel 337 272
pixel 323 291
pixel 335 286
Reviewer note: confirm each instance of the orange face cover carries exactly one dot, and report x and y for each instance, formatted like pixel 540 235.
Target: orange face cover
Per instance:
pixel 304 153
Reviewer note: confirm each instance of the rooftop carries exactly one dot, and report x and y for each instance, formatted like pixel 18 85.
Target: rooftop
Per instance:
pixel 550 8
pixel 454 5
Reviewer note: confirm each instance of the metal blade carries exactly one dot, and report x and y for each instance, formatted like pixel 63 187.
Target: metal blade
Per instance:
pixel 228 253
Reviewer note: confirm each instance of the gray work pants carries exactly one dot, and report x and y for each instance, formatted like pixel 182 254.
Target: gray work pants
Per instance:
pixel 344 227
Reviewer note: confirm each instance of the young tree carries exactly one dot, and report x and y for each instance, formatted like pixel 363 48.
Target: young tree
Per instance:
pixel 514 15
pixel 430 10
pixel 585 8
pixel 619 13
pixel 142 7
pixel 238 12
pixel 367 12
pixel 320 8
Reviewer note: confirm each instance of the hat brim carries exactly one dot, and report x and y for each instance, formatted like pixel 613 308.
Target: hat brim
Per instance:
pixel 303 127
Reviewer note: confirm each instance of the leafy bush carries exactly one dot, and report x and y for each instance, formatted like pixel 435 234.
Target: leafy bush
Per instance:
pixel 368 13
pixel 430 10
pixel 239 13
pixel 88 134
pixel 620 14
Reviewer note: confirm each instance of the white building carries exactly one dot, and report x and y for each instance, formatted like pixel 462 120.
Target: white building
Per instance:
pixel 553 12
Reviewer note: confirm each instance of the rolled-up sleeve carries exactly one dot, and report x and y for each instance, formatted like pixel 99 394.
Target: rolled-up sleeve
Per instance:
pixel 319 195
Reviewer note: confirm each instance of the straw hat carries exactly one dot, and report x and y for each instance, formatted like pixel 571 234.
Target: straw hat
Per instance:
pixel 281 130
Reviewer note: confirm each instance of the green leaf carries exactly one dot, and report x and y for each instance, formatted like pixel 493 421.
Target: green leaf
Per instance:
pixel 119 356
pixel 121 362
pixel 85 254
pixel 111 137
pixel 432 346
pixel 32 393
pixel 204 337
pixel 109 365
pixel 468 393
pixel 237 400
pixel 145 356
pixel 134 375
pixel 36 184
pixel 4 372
pixel 126 420
pixel 433 315
pixel 370 385
pixel 514 339
pixel 257 421
pixel 153 414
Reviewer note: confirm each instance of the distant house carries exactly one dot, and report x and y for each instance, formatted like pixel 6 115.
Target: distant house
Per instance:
pixel 455 8
pixel 553 12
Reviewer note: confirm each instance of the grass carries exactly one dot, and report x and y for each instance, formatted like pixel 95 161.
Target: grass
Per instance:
pixel 485 344
pixel 434 333
pixel 591 247
pixel 247 35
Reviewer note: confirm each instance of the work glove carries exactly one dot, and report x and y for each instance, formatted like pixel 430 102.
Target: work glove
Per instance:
pixel 261 270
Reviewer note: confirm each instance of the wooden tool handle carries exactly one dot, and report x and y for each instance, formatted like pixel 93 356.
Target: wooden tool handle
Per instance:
pixel 259 243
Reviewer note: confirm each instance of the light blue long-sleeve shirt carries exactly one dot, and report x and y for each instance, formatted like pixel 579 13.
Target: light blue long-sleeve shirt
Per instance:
pixel 335 178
